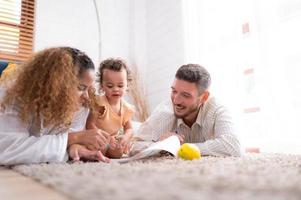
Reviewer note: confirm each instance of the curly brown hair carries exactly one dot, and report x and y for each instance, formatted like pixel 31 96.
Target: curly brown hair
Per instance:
pixel 47 86
pixel 115 64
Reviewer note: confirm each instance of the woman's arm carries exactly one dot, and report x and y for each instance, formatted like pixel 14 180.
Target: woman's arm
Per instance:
pixel 93 139
pixel 18 147
pixel 90 124
pixel 77 152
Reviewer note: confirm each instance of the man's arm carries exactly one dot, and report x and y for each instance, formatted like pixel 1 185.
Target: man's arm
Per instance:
pixel 225 142
pixel 142 140
pixel 224 145
pixel 160 122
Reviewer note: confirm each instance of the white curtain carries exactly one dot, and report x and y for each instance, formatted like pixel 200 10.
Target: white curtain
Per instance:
pixel 253 51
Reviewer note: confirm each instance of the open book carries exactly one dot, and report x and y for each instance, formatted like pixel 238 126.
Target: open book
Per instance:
pixel 170 144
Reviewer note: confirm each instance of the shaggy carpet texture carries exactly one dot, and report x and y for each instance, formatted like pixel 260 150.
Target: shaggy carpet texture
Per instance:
pixel 253 176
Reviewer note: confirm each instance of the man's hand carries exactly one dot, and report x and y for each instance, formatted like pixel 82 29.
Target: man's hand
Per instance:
pixel 168 134
pixel 93 139
pixel 77 152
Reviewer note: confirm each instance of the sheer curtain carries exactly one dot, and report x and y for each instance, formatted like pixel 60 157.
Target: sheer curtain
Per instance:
pixel 252 49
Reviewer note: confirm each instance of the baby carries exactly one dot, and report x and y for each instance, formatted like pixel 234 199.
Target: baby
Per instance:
pixel 110 112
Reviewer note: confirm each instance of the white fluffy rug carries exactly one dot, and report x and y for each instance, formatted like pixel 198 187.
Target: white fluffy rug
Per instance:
pixel 253 176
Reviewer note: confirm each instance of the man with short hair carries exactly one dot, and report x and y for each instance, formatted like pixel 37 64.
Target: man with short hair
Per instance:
pixel 192 116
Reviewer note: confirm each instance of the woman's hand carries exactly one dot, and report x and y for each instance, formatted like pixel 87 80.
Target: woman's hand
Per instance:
pixel 78 152
pixel 93 139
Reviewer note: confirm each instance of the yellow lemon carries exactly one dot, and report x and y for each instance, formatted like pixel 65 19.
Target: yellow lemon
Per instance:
pixel 189 152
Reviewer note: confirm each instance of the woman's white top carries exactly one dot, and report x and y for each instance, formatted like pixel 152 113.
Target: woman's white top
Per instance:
pixel 28 143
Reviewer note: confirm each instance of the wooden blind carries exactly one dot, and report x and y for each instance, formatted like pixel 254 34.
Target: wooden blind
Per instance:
pixel 16 29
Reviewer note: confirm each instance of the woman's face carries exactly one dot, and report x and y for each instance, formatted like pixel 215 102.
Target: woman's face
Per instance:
pixel 85 82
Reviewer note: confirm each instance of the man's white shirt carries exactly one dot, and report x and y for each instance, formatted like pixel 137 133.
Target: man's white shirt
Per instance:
pixel 213 131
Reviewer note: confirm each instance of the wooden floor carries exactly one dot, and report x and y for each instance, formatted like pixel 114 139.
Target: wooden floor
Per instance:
pixel 14 186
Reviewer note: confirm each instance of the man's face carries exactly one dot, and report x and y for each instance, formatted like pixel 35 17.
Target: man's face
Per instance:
pixel 185 98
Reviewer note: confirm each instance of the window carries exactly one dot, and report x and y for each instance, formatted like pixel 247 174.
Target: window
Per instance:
pixel 16 29
pixel 252 50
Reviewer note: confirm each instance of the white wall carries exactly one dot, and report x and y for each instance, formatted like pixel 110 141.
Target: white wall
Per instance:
pixel 138 39
pixel 151 35
pixel 115 28
pixel 148 34
pixel 267 100
pixel 162 47
pixel 74 23
pixel 67 23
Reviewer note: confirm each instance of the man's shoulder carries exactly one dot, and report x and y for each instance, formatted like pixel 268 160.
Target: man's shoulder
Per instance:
pixel 213 105
pixel 161 119
pixel 164 107
pixel 162 112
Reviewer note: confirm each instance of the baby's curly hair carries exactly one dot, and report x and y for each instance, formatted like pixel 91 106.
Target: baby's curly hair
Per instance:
pixel 47 86
pixel 114 64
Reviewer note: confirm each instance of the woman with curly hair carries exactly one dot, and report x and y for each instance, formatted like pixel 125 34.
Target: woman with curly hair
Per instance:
pixel 43 111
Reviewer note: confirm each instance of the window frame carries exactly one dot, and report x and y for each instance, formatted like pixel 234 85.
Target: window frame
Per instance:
pixel 20 45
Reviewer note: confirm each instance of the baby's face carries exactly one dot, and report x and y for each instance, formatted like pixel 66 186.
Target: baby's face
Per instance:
pixel 114 83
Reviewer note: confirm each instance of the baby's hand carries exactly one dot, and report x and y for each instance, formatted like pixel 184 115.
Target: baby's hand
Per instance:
pixel 124 142
pixel 113 143
pixel 115 150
